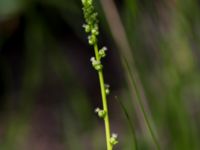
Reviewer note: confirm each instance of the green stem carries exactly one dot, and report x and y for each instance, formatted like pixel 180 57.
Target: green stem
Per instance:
pixel 139 99
pixel 132 126
pixel 104 100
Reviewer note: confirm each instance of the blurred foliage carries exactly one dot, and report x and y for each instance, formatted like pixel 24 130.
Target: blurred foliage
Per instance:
pixel 49 90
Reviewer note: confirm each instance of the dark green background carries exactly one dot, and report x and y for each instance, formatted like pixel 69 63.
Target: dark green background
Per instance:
pixel 49 89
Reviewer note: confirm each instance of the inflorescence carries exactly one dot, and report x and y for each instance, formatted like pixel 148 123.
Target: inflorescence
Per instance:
pixel 92 29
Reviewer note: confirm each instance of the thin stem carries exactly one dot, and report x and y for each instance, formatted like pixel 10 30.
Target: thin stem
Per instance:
pixel 132 126
pixel 142 108
pixel 120 37
pixel 104 101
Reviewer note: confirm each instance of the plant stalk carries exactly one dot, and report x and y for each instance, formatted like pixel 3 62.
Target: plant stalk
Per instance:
pixel 104 101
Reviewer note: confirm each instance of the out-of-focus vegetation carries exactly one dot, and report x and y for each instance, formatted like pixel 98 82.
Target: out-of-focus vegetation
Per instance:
pixel 49 89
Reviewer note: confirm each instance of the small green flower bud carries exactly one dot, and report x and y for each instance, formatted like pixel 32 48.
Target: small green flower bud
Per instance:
pixel 107 89
pixel 93 17
pixel 98 67
pixel 87 2
pixel 95 32
pixel 102 52
pixel 92 59
pixel 101 113
pixel 92 39
pixel 87 28
pixel 113 139
pixel 104 48
pixel 96 64
pixel 84 1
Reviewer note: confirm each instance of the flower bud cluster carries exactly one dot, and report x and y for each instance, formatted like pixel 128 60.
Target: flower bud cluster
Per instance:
pixel 96 64
pixel 101 113
pixel 102 52
pixel 113 139
pixel 92 29
pixel 91 26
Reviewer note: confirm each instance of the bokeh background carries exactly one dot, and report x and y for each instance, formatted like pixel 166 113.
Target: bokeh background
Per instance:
pixel 49 89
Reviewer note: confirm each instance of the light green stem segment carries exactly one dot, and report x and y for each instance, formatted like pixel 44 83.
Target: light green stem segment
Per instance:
pixel 104 101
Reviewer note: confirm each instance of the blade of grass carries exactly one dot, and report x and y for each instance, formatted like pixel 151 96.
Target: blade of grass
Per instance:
pixel 130 123
pixel 119 36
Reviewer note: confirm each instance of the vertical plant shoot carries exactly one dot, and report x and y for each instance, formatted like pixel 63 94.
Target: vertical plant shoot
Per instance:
pixel 92 29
